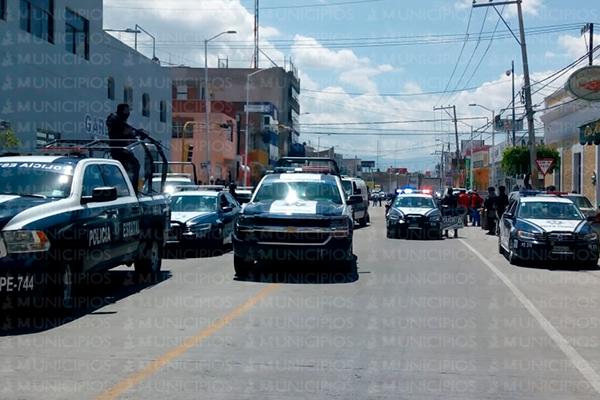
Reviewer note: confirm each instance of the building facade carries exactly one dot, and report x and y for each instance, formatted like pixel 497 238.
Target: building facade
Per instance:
pixel 273 107
pixel 61 74
pixel 579 162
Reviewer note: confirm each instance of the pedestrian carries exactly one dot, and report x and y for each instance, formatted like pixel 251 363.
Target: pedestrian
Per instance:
pixel 489 207
pixel 476 202
pixel 122 135
pixel 464 203
pixel 232 188
pixel 501 201
pixel 449 204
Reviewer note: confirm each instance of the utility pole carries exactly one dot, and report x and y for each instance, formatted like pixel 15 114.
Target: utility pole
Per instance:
pixel 590 29
pixel 455 132
pixel 256 49
pixel 527 87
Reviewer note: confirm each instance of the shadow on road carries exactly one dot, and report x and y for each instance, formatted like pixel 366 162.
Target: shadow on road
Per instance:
pixel 294 273
pixel 106 288
pixel 558 266
pixel 182 253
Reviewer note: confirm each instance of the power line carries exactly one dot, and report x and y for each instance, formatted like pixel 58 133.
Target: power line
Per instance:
pixel 188 9
pixel 385 122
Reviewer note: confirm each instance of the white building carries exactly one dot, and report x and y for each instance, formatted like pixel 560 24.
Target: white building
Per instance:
pixel 61 74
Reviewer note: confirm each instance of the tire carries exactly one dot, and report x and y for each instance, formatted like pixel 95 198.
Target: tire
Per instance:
pixel 149 260
pixel 364 220
pixel 390 234
pixel 62 289
pixel 512 257
pixel 242 267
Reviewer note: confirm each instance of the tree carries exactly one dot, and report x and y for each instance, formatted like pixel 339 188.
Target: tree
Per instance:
pixel 8 139
pixel 515 160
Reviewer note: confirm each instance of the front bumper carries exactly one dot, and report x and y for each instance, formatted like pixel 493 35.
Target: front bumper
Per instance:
pixel 555 250
pixel 292 244
pixel 419 226
pixel 179 234
pixel 23 275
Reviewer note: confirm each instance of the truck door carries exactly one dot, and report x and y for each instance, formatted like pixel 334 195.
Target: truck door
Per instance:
pixel 126 214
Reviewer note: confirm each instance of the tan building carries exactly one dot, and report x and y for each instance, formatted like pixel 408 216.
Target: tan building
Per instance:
pixel 579 163
pixel 189 129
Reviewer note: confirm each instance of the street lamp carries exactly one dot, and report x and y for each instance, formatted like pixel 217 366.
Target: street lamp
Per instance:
pixel 207 98
pixel 493 139
pixel 247 111
pixel 138 29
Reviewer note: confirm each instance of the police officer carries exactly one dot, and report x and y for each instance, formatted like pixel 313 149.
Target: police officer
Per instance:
pixel 121 135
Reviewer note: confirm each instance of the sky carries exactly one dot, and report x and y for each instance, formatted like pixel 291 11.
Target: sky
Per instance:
pixel 377 68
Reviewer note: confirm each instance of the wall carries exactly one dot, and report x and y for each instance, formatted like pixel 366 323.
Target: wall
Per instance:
pixel 44 87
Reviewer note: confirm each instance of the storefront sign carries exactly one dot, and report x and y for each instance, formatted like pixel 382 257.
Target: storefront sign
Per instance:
pixel 590 133
pixel 585 83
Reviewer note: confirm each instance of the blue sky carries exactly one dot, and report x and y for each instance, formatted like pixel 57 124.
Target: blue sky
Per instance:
pixel 333 47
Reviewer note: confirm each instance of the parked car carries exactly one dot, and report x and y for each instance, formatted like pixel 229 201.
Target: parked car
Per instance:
pixel 584 204
pixel 357 187
pixel 202 217
pixel 546 227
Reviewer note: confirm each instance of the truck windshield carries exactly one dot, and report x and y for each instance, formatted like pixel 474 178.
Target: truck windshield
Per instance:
pixel 36 179
pixel 292 191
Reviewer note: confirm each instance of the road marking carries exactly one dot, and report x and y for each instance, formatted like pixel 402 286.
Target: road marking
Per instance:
pixel 152 368
pixel 578 361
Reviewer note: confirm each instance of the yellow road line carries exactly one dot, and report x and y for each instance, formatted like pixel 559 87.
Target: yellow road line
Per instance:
pixel 152 368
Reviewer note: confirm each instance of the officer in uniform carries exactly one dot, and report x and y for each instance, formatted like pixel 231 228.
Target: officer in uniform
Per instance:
pixel 121 135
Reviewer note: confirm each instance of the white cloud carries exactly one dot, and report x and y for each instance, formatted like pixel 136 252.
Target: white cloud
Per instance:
pixel 530 7
pixel 575 46
pixel 353 70
pixel 181 27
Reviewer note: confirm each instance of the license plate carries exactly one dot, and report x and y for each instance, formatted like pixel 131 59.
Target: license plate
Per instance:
pixel 561 249
pixel 16 283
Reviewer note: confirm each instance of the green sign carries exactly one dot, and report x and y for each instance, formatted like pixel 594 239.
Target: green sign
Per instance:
pixel 590 133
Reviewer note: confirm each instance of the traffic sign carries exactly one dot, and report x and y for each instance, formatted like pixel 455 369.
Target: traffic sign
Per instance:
pixel 544 164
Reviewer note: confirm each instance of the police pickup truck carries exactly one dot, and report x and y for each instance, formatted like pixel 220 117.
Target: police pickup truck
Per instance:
pixel 297 213
pixel 62 217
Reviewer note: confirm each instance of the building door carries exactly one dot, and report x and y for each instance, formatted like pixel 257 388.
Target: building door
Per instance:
pixel 577 172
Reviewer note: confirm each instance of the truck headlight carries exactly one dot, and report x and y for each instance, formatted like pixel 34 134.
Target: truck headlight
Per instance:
pixel 590 236
pixel 395 214
pixel 200 227
pixel 527 235
pixel 26 241
pixel 340 227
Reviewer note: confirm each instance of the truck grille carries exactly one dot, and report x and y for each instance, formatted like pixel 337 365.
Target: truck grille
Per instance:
pixel 282 237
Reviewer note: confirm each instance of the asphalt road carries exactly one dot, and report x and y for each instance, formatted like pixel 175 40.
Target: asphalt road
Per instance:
pixel 446 319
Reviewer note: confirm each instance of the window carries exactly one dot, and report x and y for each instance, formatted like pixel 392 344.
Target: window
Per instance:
pixel 110 85
pixel 182 92
pixel 163 111
pixel 128 95
pixel 77 33
pixel 92 178
pixel 36 17
pixel 113 177
pixel 146 105
pixel 2 9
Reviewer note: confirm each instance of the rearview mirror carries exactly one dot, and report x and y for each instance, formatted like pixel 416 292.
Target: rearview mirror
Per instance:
pixel 355 199
pixel 101 195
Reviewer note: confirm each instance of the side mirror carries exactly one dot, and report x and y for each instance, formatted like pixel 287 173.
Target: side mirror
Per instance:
pixel 591 218
pixel 226 209
pixel 355 199
pixel 100 195
pixel 358 191
pixel 508 215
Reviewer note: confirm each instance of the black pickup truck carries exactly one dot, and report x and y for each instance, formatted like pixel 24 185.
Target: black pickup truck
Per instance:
pixel 66 216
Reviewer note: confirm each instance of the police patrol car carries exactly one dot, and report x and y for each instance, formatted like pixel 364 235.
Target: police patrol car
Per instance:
pixel 297 213
pixel 538 226
pixel 65 215
pixel 414 213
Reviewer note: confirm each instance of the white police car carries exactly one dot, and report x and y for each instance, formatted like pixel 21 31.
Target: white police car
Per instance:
pixel 537 226
pixel 65 215
pixel 414 213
